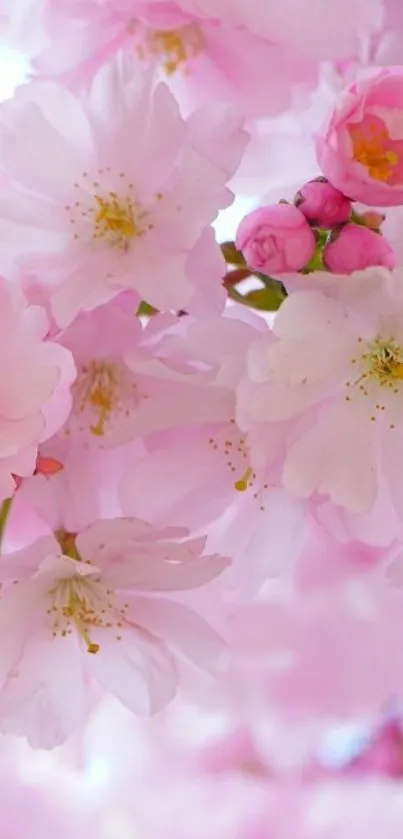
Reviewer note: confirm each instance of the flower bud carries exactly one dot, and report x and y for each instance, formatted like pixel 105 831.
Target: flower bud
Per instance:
pixel 354 248
pixel 322 204
pixel 276 239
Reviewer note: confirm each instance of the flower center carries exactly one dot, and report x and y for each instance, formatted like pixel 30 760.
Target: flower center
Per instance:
pixel 97 388
pixel 384 362
pixel 370 149
pixel 104 393
pixel 112 216
pixel 80 604
pixel 116 222
pixel 381 367
pixel 173 47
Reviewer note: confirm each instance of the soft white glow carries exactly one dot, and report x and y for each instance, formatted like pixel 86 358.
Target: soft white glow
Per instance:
pixel 227 221
pixel 14 68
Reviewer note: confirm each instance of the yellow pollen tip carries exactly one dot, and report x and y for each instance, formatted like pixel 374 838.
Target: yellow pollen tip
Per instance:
pixel 93 648
pixel 398 371
pixel 242 484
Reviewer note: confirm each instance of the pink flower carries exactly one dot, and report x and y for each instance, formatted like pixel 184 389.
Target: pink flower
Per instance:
pixel 323 31
pixel 340 411
pixel 360 150
pixel 200 474
pixel 109 215
pixel 132 382
pixel 322 204
pixel 323 654
pixel 70 622
pixel 35 386
pixel 354 248
pixel 202 52
pixel 276 239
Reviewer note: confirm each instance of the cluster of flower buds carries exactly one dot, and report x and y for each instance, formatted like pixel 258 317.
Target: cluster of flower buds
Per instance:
pixel 321 230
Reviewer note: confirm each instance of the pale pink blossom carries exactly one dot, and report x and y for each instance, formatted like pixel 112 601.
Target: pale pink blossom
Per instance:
pixel 95 616
pixel 354 247
pixel 318 29
pixel 360 149
pixel 329 381
pixel 106 213
pixel 199 473
pixel 82 490
pixel 203 53
pixel 132 382
pixel 35 386
pixel 322 204
pixel 276 239
pixel 327 654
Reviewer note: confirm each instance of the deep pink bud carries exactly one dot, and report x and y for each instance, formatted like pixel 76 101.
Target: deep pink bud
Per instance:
pixel 276 239
pixel 355 248
pixel 322 204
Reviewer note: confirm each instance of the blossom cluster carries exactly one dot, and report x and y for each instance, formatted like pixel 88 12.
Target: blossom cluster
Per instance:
pixel 201 441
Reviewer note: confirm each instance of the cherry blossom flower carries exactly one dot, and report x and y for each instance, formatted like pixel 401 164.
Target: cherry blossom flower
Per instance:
pixel 329 381
pixel 200 474
pixel 107 214
pixel 203 53
pixel 132 382
pixel 35 386
pixel 91 615
pixel 360 148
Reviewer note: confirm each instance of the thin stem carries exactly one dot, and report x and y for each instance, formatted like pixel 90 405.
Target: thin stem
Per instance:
pixel 67 542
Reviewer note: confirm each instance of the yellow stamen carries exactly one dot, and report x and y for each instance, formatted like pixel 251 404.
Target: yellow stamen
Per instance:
pixel 72 598
pixel 97 388
pixel 175 47
pixel 369 149
pixel 79 604
pixel 115 221
pixel 242 484
pixel 73 611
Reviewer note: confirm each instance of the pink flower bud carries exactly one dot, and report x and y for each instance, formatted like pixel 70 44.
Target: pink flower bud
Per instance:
pixel 322 204
pixel 276 239
pixel 355 248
